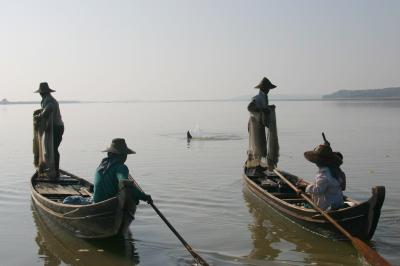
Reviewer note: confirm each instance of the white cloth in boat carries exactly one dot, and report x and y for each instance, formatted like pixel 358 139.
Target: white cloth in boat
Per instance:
pixel 326 191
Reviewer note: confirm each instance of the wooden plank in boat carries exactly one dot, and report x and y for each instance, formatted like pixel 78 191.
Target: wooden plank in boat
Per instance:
pixel 85 192
pixel 68 180
pixel 55 189
pixel 294 200
pixel 268 184
pixel 62 180
pixel 284 195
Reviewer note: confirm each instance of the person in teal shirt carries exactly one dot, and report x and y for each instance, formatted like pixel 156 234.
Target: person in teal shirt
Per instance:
pixel 111 170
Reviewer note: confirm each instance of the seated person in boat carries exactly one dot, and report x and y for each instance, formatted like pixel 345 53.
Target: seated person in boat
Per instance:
pixel 326 191
pixel 111 170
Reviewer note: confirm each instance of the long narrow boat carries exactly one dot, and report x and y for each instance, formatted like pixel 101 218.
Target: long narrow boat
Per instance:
pixel 358 218
pixel 98 220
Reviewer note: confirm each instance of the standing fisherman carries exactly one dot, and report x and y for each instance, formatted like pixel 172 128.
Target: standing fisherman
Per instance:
pixel 262 115
pixel 51 109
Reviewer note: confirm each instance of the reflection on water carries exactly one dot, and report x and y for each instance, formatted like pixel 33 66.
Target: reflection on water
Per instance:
pixel 58 247
pixel 277 239
pixel 262 235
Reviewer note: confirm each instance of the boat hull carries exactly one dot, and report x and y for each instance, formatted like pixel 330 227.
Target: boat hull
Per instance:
pixel 99 220
pixel 360 219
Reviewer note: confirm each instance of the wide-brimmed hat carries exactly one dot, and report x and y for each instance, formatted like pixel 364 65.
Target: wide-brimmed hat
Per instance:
pixel 265 84
pixel 323 155
pixel 118 146
pixel 43 88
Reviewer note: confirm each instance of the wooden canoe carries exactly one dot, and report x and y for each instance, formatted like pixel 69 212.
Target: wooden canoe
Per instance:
pixel 99 220
pixel 358 218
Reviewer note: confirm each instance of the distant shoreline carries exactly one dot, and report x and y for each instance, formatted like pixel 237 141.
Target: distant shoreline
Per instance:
pixel 216 100
pixel 363 99
pixel 385 93
pixel 32 102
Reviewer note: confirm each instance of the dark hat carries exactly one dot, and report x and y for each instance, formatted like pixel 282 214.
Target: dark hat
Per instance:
pixel 323 155
pixel 265 84
pixel 118 146
pixel 43 88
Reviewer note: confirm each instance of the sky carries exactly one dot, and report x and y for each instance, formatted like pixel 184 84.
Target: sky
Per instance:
pixel 188 49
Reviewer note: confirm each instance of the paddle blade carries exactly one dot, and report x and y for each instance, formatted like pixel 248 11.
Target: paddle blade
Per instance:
pixel 199 259
pixel 369 254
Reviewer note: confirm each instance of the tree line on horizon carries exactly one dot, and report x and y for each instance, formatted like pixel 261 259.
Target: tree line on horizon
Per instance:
pixel 393 92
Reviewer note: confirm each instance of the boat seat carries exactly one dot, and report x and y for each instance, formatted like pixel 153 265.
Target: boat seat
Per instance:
pixel 69 180
pixel 285 195
pixel 349 204
pixel 269 184
pixel 294 200
pixel 65 180
pixel 55 189
pixel 298 201
pixel 84 192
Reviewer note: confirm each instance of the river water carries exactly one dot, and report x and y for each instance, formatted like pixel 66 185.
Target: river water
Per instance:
pixel 198 185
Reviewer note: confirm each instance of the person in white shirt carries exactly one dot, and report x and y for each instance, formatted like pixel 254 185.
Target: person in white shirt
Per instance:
pixel 326 191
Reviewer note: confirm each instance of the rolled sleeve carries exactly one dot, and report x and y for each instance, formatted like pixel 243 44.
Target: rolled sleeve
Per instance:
pixel 122 172
pixel 252 107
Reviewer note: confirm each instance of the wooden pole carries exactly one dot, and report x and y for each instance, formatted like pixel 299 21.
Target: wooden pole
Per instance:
pixel 195 255
pixel 366 251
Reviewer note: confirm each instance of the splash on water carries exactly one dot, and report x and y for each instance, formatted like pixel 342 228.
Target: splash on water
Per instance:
pixel 197 133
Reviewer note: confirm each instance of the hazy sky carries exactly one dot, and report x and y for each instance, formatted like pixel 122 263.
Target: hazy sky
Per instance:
pixel 113 50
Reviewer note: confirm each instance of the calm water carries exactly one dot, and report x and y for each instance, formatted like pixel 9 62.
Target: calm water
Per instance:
pixel 198 186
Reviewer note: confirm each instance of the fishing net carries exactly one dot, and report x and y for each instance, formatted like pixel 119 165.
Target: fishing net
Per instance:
pixel 262 151
pixel 273 143
pixel 43 146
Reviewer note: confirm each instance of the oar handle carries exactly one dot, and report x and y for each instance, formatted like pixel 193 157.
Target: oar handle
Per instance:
pixel 369 254
pixel 187 246
pixel 170 226
pixel 195 255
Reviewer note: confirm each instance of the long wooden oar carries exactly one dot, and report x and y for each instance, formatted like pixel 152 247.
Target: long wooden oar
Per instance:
pixel 369 254
pixel 195 255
